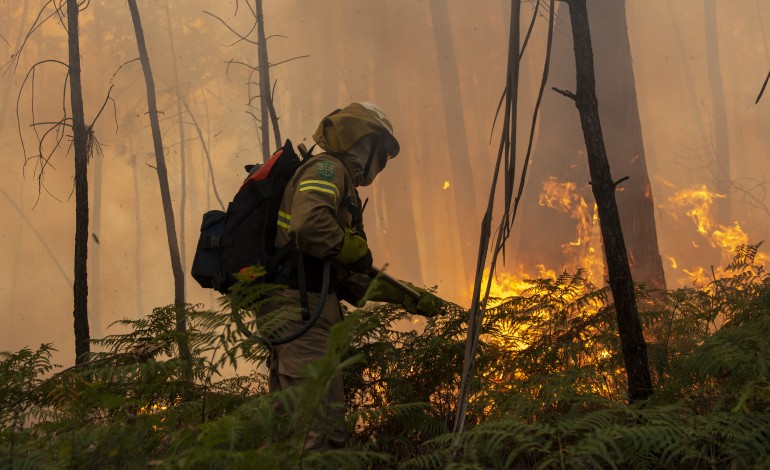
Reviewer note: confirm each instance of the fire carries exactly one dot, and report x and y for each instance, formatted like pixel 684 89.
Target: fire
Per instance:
pixel 726 238
pixel 729 238
pixel 506 285
pixel 585 251
pixel 155 409
pixel 446 185
pixel 701 199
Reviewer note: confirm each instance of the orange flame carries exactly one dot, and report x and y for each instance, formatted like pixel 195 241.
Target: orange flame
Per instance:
pixel 701 199
pixel 585 251
pixel 726 238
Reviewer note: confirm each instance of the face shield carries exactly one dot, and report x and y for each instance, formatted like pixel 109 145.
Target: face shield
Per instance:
pixel 380 153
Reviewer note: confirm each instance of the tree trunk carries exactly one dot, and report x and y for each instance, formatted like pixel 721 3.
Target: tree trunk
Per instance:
pixel 264 83
pixel 625 145
pixel 621 283
pixel 80 143
pixel 623 133
pixel 396 221
pixel 182 144
pixel 719 128
pixel 455 126
pixel 96 224
pixel 168 210
pixel 137 230
pixel 504 164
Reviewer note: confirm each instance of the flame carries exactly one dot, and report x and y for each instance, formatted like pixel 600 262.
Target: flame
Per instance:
pixel 446 185
pixel 560 196
pixel 726 238
pixel 697 276
pixel 729 238
pixel 585 251
pixel 701 199
pixel 506 285
pixel 155 409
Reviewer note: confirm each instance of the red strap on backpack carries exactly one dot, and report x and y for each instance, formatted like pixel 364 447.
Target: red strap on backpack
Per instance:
pixel 264 171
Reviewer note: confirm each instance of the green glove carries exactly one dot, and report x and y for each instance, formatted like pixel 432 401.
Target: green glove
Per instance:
pixel 354 247
pixel 428 305
pixel 381 290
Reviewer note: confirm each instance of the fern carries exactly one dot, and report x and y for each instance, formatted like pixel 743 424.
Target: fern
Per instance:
pixel 548 393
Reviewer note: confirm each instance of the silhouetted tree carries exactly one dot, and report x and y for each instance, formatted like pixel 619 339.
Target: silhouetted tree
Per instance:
pixel 266 108
pixel 603 186
pixel 168 210
pixel 82 142
pixel 563 157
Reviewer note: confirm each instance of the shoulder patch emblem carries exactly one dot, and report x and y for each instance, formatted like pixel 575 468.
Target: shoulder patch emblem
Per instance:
pixel 326 170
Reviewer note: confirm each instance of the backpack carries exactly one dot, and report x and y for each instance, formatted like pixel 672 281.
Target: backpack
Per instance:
pixel 245 234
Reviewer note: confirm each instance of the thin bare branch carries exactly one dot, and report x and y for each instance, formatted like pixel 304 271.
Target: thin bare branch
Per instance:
pixel 14 59
pixel 104 104
pixel 240 36
pixel 566 93
pixel 30 76
pixel 289 60
pixel 764 85
pixel 205 150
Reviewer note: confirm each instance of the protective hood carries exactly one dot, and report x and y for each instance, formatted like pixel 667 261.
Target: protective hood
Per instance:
pixel 339 131
pixel 352 131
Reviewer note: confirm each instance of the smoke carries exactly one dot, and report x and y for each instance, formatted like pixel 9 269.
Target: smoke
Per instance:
pixel 437 73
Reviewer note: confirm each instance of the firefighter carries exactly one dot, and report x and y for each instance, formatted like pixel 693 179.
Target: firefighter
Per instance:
pixel 320 219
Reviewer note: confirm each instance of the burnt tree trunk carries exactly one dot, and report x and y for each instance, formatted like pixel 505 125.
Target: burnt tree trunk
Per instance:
pixel 603 187
pixel 80 143
pixel 168 210
pixel 623 139
pixel 267 110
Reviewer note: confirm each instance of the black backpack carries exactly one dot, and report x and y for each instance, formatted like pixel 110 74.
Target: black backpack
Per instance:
pixel 245 234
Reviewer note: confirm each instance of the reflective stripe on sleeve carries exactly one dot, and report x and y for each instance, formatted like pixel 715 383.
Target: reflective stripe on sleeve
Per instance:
pixel 320 185
pixel 284 219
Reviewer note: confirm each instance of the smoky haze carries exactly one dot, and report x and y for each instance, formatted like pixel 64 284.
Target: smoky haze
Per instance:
pixel 437 67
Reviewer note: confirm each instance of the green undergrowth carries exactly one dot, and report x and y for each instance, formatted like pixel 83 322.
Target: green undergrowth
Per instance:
pixel 549 388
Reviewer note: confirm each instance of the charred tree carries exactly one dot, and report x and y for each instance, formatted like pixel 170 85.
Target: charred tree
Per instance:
pixel 80 137
pixel 267 109
pixel 267 114
pixel 621 284
pixel 168 210
pixel 616 89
